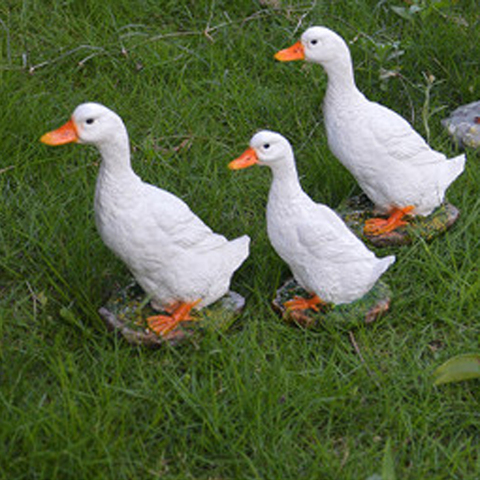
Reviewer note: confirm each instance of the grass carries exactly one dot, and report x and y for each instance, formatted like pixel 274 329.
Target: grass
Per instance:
pixel 193 81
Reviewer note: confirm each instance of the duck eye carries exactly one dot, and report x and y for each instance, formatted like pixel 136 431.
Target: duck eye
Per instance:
pixel 313 42
pixel 89 121
pixel 266 146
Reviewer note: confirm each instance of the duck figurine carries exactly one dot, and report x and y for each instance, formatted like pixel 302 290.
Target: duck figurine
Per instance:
pixel 392 163
pixel 325 257
pixel 177 259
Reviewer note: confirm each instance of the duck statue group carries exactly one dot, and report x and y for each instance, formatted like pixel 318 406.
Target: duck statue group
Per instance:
pixel 392 163
pixel 181 264
pixel 177 259
pixel 325 257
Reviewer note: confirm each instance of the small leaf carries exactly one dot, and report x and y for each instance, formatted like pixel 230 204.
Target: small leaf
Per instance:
pixel 67 315
pixel 70 317
pixel 456 369
pixel 403 12
pixel 42 299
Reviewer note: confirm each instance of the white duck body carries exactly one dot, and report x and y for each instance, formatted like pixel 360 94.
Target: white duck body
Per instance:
pixel 172 254
pixel 324 255
pixel 391 162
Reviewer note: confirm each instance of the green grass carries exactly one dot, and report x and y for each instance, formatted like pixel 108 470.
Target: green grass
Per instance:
pixel 264 400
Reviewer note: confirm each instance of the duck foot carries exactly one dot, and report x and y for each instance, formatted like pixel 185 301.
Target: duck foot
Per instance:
pixel 179 312
pixel 133 336
pixel 379 226
pixel 127 310
pixel 302 303
pixel 364 310
pixel 357 209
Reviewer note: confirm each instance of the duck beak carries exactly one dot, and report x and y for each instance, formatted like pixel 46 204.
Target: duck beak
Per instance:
pixel 295 52
pixel 246 159
pixel 65 134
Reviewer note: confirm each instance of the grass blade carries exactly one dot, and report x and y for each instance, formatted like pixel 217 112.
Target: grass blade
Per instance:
pixel 388 465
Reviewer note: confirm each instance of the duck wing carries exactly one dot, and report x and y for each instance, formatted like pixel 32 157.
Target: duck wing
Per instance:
pixel 397 138
pixel 326 237
pixel 173 217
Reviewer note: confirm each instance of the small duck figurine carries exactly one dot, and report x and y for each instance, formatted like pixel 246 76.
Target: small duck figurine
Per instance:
pixel 325 257
pixel 392 163
pixel 177 259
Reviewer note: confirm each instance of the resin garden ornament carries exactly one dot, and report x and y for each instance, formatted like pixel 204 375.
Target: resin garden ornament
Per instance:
pixel 463 125
pixel 327 260
pixel 392 163
pixel 177 260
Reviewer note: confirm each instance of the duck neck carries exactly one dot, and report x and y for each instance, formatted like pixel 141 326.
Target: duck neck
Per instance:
pixel 341 80
pixel 285 183
pixel 116 156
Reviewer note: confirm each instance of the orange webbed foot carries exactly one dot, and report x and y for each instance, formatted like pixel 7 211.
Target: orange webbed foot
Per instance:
pixel 301 303
pixel 379 226
pixel 164 324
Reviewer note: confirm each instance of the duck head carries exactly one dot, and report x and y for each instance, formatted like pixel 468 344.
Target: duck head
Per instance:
pixel 91 123
pixel 266 148
pixel 318 45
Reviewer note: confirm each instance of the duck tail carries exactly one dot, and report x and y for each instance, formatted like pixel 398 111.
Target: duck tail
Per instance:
pixel 240 249
pixel 383 264
pixel 455 167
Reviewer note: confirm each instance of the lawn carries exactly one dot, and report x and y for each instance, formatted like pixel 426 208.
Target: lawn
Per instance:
pixel 193 80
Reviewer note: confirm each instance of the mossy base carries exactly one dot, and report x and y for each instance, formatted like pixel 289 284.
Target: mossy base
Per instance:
pixel 365 310
pixel 356 210
pixel 128 308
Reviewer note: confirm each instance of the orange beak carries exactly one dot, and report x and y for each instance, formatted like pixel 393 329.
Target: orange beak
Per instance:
pixel 295 52
pixel 246 159
pixel 65 134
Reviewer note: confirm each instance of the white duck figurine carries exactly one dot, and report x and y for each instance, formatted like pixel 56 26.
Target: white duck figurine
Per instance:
pixel 325 257
pixel 177 259
pixel 392 163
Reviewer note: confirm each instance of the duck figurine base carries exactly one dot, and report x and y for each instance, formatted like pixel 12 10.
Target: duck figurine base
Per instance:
pixel 367 309
pixel 357 209
pixel 127 310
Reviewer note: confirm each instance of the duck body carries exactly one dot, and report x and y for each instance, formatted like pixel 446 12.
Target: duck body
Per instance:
pixel 391 162
pixel 173 255
pixel 325 257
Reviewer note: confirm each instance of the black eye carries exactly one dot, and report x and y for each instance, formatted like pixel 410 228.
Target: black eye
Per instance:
pixel 313 42
pixel 89 121
pixel 266 146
